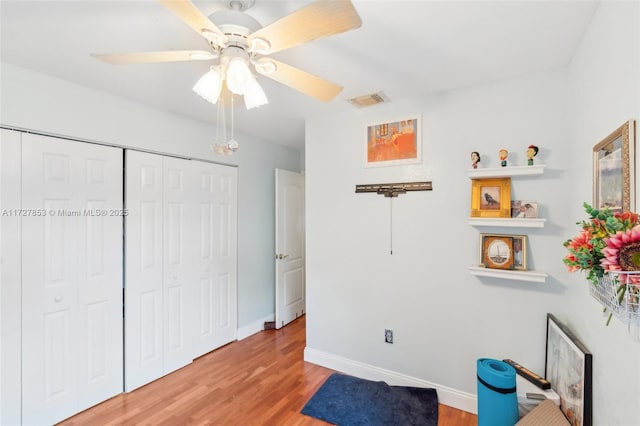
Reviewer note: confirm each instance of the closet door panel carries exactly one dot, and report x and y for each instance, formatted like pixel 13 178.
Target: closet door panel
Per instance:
pixel 49 288
pixel 10 277
pixel 216 257
pixel 144 270
pixel 69 317
pixel 180 237
pixel 226 253
pixel 100 263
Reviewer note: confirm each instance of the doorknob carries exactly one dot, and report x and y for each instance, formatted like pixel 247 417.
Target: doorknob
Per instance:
pixel 281 256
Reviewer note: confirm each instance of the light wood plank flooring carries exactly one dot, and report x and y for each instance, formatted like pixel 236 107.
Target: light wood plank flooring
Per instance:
pixel 261 380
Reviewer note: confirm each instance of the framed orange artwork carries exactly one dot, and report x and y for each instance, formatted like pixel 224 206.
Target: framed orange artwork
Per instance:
pixel 394 142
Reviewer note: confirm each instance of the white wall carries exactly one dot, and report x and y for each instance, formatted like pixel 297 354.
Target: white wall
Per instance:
pixel 444 318
pixel 604 83
pixel 38 102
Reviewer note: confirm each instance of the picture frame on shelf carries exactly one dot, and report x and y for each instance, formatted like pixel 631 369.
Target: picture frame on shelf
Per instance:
pixel 524 209
pixel 520 252
pixel 496 251
pixel 394 142
pixel 568 367
pixel 515 207
pixel 491 197
pixel 613 170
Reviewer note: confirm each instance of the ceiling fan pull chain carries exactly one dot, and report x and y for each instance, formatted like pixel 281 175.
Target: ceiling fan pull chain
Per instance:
pixel 223 118
pixel 220 145
pixel 233 144
pixel 217 140
pixel 391 225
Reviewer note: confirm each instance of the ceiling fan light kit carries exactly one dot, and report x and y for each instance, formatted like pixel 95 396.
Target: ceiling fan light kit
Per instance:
pixel 239 79
pixel 209 85
pixel 254 96
pixel 238 74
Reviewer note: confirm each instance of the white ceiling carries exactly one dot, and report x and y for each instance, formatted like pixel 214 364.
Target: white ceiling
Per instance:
pixel 407 49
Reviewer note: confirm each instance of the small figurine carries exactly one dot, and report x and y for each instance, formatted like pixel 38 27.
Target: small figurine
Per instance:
pixel 475 159
pixel 503 157
pixel 532 151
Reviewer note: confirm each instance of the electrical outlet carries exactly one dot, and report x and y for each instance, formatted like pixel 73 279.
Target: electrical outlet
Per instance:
pixel 388 336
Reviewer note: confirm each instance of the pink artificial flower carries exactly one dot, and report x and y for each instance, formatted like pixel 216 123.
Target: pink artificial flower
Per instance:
pixel 622 252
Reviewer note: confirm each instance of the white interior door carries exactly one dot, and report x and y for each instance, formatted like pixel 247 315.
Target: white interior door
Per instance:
pixel 143 272
pixel 290 247
pixel 71 277
pixel 217 255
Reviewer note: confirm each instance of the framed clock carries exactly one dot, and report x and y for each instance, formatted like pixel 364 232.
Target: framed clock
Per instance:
pixel 497 251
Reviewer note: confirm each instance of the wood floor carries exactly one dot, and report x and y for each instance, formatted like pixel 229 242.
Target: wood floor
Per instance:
pixel 261 380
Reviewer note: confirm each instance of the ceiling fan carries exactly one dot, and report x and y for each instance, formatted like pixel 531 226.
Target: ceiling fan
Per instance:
pixel 239 43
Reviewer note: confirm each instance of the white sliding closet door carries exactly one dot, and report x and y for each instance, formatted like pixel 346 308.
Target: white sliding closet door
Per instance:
pixel 180 280
pixel 71 277
pixel 144 272
pixel 216 257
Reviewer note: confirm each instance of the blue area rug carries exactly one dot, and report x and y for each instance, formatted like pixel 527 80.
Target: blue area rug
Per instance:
pixel 350 401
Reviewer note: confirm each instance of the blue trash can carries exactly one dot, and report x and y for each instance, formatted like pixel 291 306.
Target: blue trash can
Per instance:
pixel 497 397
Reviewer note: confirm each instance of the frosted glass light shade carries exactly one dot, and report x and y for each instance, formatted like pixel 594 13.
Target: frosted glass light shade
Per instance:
pixel 209 85
pixel 238 76
pixel 254 96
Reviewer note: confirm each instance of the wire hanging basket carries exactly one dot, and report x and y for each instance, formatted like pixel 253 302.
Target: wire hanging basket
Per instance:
pixel 619 293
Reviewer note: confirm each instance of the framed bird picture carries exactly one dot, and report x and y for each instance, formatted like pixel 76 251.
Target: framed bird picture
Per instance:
pixel 491 197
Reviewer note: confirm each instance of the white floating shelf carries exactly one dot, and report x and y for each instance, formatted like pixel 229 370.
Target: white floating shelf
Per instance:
pixel 513 222
pixel 536 169
pixel 533 276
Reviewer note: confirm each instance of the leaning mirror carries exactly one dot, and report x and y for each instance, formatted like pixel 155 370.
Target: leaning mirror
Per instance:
pixel 613 170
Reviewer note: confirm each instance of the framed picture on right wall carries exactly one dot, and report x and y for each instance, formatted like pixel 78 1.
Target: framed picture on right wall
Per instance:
pixel 568 367
pixel 614 170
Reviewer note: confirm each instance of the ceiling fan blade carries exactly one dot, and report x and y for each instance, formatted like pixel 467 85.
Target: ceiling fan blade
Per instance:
pixel 154 57
pixel 303 81
pixel 192 16
pixel 319 19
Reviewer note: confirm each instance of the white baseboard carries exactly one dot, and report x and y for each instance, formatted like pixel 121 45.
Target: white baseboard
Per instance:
pixel 254 327
pixel 447 396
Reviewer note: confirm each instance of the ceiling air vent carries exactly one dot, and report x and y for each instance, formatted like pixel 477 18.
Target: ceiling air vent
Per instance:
pixel 368 100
